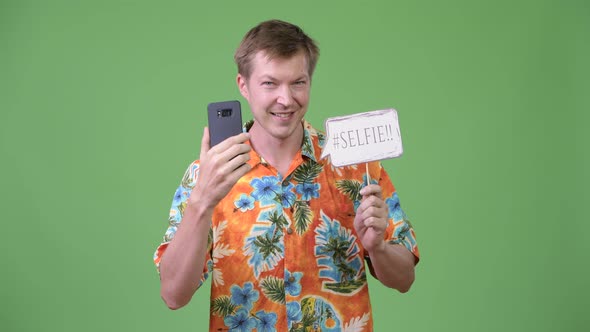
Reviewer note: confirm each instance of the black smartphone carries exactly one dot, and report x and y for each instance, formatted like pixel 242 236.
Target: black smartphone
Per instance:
pixel 225 120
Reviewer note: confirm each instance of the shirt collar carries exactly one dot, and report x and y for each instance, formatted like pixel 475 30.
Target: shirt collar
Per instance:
pixel 312 141
pixel 308 149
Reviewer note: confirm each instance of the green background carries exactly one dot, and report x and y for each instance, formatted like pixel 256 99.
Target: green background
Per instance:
pixel 102 106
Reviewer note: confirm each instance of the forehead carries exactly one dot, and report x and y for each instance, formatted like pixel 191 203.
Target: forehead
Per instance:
pixel 263 64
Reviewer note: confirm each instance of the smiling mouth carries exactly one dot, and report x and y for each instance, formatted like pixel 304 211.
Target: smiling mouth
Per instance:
pixel 282 115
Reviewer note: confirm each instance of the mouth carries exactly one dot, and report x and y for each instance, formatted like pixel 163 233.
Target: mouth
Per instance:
pixel 282 115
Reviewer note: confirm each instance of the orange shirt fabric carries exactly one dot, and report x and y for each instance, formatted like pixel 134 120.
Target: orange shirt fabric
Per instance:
pixel 283 254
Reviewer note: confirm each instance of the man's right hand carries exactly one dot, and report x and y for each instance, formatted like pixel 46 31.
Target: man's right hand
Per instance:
pixel 184 260
pixel 220 168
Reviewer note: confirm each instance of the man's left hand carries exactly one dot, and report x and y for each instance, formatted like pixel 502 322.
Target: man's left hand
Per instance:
pixel 370 221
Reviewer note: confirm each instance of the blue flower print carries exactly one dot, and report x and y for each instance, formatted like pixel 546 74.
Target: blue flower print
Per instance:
pixel 402 234
pixel 321 140
pixel 294 313
pixel 288 196
pixel 401 231
pixel 265 189
pixel 395 209
pixel 244 203
pixel 373 181
pixel 308 190
pixel 170 233
pixel 180 195
pixel 244 296
pixel 241 321
pixel 292 284
pixel 209 269
pixel 266 322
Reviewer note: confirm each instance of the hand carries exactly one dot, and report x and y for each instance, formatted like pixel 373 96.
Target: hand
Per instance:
pixel 370 221
pixel 220 168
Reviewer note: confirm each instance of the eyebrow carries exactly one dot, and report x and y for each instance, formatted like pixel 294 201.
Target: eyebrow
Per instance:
pixel 267 77
pixel 271 78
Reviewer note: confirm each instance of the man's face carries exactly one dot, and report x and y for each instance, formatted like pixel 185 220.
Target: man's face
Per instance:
pixel 278 93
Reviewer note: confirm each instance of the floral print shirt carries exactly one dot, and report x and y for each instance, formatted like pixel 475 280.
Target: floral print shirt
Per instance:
pixel 283 252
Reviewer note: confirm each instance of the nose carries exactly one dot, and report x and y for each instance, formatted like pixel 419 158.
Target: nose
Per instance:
pixel 285 96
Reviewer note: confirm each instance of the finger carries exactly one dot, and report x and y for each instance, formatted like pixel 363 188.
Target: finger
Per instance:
pixel 359 223
pixel 369 201
pixel 220 159
pixel 235 162
pixel 237 149
pixel 237 173
pixel 372 189
pixel 377 224
pixel 373 211
pixel 372 206
pixel 205 141
pixel 233 140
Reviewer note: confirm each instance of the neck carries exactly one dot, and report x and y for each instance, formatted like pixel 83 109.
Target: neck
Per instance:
pixel 278 152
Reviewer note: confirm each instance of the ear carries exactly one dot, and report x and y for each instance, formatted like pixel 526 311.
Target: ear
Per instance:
pixel 243 86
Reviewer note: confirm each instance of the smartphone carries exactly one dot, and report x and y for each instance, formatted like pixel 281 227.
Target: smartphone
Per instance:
pixel 225 120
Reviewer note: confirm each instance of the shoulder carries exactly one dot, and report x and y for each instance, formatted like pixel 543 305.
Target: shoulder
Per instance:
pixel 313 142
pixel 191 174
pixel 316 135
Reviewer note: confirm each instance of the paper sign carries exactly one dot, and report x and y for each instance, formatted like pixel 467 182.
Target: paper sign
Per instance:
pixel 363 137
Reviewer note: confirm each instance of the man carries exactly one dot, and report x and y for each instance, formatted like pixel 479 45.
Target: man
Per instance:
pixel 283 234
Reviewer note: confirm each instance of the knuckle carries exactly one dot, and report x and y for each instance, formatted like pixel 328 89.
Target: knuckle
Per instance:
pixel 215 161
pixel 239 138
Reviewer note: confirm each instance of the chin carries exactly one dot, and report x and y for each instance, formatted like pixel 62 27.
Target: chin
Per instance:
pixel 282 135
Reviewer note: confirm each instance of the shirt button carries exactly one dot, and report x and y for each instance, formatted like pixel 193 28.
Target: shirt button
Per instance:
pixel 289 230
pixel 285 183
pixel 291 279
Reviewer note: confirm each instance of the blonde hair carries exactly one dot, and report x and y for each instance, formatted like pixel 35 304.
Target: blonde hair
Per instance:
pixel 278 39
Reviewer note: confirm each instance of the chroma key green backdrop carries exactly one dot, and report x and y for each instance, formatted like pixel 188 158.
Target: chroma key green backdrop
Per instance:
pixel 102 105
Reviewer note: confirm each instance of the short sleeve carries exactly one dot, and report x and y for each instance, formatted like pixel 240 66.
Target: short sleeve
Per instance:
pixel 399 229
pixel 179 202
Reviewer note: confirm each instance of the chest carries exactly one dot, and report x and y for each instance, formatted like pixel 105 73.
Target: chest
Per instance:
pixel 264 207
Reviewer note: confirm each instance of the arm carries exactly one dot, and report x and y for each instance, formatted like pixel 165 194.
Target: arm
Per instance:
pixel 392 264
pixel 184 259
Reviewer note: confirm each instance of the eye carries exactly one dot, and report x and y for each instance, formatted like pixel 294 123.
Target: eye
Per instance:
pixel 267 83
pixel 301 84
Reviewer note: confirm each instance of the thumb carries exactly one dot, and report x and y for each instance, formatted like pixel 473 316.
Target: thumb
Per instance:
pixel 205 143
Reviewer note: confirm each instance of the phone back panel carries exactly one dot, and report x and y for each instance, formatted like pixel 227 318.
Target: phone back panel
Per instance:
pixel 225 120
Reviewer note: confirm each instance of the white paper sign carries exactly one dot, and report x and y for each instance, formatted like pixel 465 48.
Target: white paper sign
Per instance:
pixel 363 137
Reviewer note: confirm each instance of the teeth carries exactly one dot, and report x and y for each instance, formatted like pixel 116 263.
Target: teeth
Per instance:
pixel 282 115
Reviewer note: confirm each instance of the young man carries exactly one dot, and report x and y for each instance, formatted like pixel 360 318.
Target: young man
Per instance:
pixel 284 235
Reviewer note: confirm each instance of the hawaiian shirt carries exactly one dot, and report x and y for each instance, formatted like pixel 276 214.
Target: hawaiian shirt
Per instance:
pixel 283 254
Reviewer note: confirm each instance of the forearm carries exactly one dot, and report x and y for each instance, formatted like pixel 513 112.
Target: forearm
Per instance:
pixel 182 264
pixel 393 265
